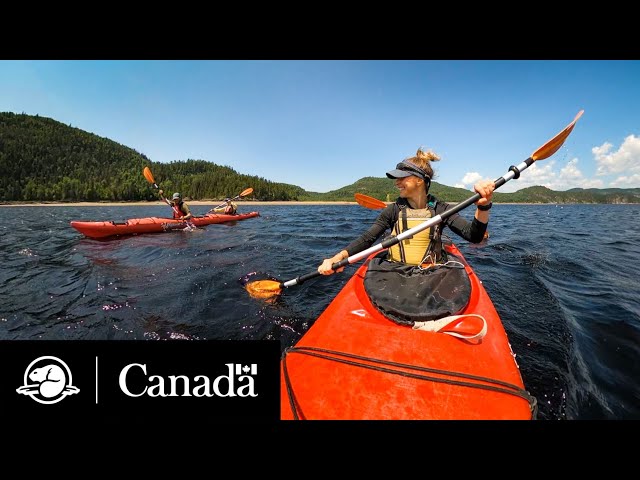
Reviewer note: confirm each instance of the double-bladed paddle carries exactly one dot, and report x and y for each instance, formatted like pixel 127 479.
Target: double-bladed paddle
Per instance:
pixel 270 288
pixel 244 193
pixel 149 176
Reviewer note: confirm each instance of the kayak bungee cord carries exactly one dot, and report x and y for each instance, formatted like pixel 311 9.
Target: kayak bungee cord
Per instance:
pixel 498 385
pixel 269 288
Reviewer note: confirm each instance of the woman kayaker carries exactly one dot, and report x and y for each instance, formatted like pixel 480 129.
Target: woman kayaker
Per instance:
pixel 414 206
pixel 180 209
pixel 227 208
pixel 230 208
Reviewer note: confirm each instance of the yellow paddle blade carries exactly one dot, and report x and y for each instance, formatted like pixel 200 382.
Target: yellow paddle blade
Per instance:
pixel 556 142
pixel 246 192
pixel 369 202
pixel 148 175
pixel 264 288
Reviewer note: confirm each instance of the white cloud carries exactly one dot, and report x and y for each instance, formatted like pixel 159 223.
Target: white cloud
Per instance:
pixel 626 159
pixel 625 162
pixel 534 175
pixel 544 173
pixel 571 177
pixel 471 178
pixel 626 182
pixel 538 174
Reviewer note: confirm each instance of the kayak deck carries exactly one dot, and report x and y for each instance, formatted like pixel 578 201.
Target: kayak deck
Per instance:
pixel 353 363
pixel 136 226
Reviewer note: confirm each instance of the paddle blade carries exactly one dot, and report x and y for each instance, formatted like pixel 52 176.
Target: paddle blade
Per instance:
pixel 369 202
pixel 556 142
pixel 246 192
pixel 148 175
pixel 264 289
pixel 261 285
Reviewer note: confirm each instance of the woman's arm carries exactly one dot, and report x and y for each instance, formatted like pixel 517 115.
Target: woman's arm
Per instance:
pixel 381 224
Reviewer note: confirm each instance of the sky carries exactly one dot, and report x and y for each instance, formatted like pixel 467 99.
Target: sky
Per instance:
pixel 324 124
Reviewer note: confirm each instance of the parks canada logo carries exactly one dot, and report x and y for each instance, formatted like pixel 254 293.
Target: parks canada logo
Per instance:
pixel 135 380
pixel 47 380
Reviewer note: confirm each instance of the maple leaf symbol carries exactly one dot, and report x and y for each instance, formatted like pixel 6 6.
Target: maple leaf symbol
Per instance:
pixel 246 369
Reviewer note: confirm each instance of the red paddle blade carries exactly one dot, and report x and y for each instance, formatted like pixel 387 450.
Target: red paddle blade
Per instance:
pixel 148 175
pixel 246 192
pixel 369 202
pixel 556 142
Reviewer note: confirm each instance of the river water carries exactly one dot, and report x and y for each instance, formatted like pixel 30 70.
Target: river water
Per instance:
pixel 564 280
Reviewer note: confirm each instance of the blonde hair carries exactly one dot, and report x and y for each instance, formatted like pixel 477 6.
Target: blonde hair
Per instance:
pixel 423 160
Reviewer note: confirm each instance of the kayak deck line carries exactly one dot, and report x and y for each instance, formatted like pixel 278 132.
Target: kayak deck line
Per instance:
pixel 374 364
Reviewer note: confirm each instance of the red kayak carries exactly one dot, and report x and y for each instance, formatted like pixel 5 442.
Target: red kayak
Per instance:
pixel 136 226
pixel 356 364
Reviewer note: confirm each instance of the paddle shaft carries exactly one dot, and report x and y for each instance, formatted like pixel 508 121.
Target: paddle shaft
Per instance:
pixel 514 172
pixel 241 194
pixel 223 204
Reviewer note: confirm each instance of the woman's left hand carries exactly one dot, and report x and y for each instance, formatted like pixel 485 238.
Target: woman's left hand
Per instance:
pixel 485 188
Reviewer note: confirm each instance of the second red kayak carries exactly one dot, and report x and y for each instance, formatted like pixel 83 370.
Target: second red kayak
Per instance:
pixel 136 226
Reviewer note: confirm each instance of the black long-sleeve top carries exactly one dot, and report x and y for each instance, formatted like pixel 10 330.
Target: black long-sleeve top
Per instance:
pixel 472 231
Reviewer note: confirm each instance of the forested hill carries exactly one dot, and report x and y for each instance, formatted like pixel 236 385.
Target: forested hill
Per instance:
pixel 383 188
pixel 42 159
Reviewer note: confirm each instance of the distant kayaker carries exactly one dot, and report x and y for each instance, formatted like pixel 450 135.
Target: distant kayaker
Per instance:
pixel 228 208
pixel 415 206
pixel 180 209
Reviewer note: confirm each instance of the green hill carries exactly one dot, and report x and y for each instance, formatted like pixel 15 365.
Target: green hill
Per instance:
pixel 42 159
pixel 384 189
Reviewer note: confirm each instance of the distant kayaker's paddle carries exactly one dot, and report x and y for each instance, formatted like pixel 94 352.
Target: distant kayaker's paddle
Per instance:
pixel 244 193
pixel 268 288
pixel 149 176
pixel 369 202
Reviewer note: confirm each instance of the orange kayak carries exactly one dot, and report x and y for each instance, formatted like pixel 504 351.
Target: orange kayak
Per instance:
pixel 355 364
pixel 136 226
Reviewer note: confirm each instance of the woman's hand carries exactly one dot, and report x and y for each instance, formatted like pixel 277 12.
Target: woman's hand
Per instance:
pixel 325 267
pixel 485 188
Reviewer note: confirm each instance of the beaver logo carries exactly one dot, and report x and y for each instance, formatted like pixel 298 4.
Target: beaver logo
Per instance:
pixel 47 380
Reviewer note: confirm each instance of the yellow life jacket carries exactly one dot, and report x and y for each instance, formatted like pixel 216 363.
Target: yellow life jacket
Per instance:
pixel 412 250
pixel 420 248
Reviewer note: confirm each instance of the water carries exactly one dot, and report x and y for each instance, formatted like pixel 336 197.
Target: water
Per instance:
pixel 563 279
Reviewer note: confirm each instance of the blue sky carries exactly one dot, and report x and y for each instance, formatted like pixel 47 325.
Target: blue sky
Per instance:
pixel 324 124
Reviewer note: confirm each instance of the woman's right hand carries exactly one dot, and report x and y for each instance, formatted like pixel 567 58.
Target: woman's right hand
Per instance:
pixel 160 192
pixel 325 267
